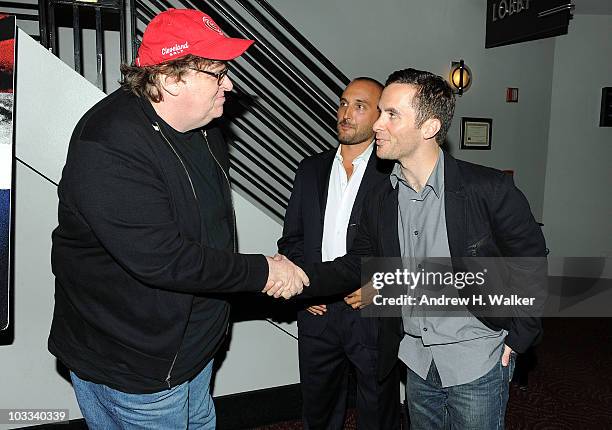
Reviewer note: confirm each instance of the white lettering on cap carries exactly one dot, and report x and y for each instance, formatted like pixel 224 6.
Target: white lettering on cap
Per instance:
pixel 174 50
pixel 210 24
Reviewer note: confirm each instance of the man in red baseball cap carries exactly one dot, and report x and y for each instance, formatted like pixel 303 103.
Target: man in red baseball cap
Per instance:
pixel 179 44
pixel 146 236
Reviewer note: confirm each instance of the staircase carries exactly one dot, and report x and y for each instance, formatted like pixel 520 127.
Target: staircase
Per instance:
pixel 286 91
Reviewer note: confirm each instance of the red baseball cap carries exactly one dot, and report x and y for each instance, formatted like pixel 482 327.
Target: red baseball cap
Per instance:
pixel 177 32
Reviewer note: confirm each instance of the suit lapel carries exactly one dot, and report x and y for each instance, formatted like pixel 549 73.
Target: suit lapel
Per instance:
pixel 323 180
pixel 455 207
pixel 388 225
pixel 369 176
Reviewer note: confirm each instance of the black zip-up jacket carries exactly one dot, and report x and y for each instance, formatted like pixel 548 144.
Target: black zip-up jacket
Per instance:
pixel 127 255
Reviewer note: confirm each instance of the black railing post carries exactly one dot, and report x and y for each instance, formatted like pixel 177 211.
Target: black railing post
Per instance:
pixel 99 50
pixel 77 42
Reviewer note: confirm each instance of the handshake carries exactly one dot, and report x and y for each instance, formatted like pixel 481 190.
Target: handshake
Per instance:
pixel 285 279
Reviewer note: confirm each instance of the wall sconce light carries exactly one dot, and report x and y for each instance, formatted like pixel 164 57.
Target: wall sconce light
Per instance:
pixel 460 76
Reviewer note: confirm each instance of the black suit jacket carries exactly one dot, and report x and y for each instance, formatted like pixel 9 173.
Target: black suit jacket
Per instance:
pixel 303 228
pixel 486 216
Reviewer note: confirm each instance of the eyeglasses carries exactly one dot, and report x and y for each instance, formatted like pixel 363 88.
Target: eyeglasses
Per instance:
pixel 219 75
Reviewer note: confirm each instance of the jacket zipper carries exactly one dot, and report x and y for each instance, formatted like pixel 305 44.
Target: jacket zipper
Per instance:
pixel 172 367
pixel 158 129
pixel 229 187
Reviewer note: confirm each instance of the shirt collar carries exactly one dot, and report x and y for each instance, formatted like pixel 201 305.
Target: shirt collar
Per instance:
pixel 396 175
pixel 365 155
pixel 435 181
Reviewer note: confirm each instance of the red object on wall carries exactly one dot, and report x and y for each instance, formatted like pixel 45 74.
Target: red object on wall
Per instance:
pixel 512 95
pixel 7 54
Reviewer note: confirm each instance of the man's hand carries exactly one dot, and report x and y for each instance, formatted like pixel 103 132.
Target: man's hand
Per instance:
pixel 362 297
pixel 317 309
pixel 284 278
pixel 506 355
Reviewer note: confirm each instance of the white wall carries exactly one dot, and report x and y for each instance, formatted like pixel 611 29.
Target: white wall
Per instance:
pixel 362 37
pixel 577 203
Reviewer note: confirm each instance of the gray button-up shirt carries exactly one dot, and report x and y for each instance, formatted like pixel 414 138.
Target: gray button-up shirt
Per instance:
pixel 463 348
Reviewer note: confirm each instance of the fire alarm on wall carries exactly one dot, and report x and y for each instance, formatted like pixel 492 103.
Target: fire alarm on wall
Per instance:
pixel 512 95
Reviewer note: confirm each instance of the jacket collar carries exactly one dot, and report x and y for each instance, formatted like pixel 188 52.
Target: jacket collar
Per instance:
pixel 148 110
pixel 455 211
pixel 389 240
pixel 323 179
pixel 370 175
pixel 455 207
pixel 154 118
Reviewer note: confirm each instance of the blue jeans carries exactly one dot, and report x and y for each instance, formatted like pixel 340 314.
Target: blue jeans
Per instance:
pixel 188 405
pixel 477 405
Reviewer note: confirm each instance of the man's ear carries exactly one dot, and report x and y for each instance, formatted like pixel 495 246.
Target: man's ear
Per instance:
pixel 170 84
pixel 430 128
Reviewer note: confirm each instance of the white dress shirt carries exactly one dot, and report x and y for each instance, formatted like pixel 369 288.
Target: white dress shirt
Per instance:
pixel 341 194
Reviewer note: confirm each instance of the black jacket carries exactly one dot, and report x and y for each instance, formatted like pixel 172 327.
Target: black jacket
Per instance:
pixel 486 216
pixel 128 255
pixel 305 216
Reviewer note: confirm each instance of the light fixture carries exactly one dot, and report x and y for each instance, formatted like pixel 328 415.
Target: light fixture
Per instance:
pixel 460 76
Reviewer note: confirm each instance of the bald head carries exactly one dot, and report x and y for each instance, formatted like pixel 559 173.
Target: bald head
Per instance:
pixel 358 111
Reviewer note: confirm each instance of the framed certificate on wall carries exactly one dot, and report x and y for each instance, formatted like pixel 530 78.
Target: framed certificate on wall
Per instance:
pixel 476 133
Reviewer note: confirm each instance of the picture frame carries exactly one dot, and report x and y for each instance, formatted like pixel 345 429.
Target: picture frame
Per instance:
pixel 476 133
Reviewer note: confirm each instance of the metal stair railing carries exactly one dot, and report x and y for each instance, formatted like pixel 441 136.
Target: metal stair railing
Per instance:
pixel 102 9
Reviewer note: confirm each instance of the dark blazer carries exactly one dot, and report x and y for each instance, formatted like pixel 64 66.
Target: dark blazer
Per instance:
pixel 486 216
pixel 303 228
